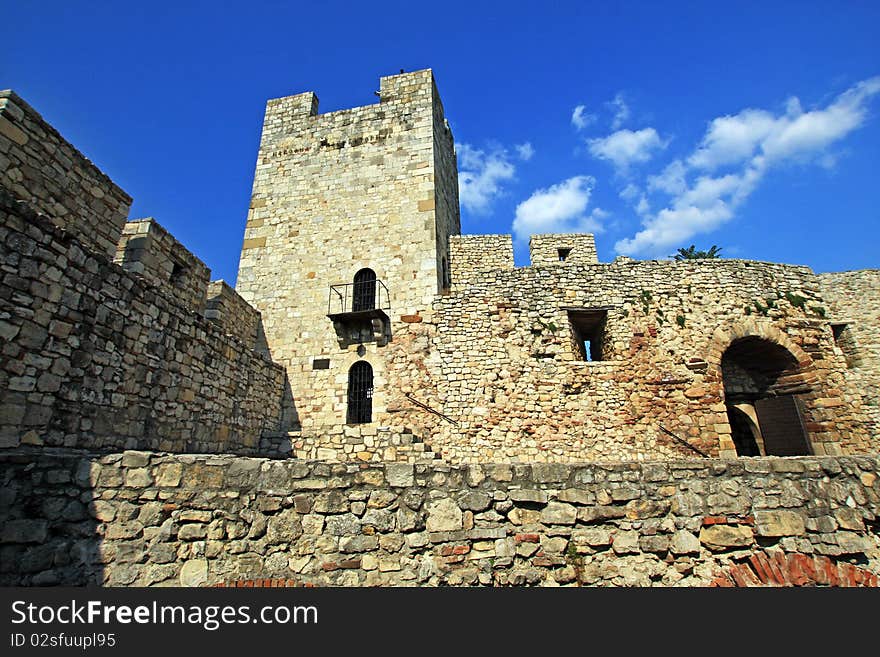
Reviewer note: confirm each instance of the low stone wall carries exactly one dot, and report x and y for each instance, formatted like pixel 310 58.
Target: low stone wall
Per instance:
pixel 95 357
pixel 139 518
pixel 576 248
pixel 234 315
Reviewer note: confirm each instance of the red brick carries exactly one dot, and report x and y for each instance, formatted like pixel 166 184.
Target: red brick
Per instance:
pixel 761 566
pixel 781 567
pixel 350 563
pixel 796 573
pixel 744 576
pixel 461 549
pixel 831 573
pixel 715 520
pixel 722 581
pixel 747 520
pixel 527 538
pixel 329 566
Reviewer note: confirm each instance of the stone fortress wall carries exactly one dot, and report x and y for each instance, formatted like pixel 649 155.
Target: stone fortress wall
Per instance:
pixel 111 355
pixel 148 519
pixel 483 363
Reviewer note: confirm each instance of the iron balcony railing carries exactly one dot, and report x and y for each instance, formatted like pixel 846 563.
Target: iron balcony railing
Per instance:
pixel 365 297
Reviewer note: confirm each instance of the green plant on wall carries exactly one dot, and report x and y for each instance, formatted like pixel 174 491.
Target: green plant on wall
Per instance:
pixel 679 319
pixel 819 310
pixel 796 300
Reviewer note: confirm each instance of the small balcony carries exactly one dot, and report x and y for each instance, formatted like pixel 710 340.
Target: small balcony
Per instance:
pixel 359 302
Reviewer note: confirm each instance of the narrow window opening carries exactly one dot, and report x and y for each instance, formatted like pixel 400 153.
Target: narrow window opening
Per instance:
pixel 843 338
pixel 360 393
pixel 563 254
pixel 588 333
pixel 178 273
pixel 364 290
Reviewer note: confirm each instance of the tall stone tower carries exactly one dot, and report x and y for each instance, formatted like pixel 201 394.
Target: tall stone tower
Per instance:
pixel 348 233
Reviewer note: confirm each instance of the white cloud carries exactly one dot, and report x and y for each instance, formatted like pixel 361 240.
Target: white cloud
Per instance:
pixel 671 180
pixel 621 111
pixel 481 176
pixel 580 119
pixel 625 147
pixel 561 208
pixel 755 141
pixel 525 151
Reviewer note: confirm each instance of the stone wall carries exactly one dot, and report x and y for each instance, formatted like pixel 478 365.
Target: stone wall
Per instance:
pixel 146 248
pixel 471 255
pixel 94 356
pixel 853 299
pixel 142 519
pixel 39 166
pixel 501 361
pixel 562 248
pixel 369 187
pixel 234 315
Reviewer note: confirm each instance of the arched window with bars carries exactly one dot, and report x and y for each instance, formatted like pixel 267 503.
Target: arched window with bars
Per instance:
pixel 364 292
pixel 360 393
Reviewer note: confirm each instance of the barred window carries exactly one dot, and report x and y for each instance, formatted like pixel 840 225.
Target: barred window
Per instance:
pixel 364 293
pixel 360 393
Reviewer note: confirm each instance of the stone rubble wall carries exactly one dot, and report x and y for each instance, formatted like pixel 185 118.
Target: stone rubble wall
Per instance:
pixel 39 166
pixel 853 298
pixel 472 255
pixel 148 519
pixel 501 360
pixel 335 193
pixel 94 356
pixel 544 249
pixel 146 248
pixel 234 315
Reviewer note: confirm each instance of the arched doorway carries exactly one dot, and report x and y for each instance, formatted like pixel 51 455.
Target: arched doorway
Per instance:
pixel 761 391
pixel 364 292
pixel 360 393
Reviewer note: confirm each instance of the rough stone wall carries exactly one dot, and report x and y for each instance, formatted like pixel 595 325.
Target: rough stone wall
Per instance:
pixel 445 191
pixel 146 248
pixel 472 255
pixel 145 519
pixel 853 299
pixel 94 356
pixel 501 362
pixel 234 315
pixel 544 249
pixel 369 187
pixel 39 166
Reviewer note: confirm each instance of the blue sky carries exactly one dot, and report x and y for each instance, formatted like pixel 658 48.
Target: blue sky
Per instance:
pixel 755 127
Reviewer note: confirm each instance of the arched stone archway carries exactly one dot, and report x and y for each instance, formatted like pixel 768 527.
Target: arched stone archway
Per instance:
pixel 777 569
pixel 763 384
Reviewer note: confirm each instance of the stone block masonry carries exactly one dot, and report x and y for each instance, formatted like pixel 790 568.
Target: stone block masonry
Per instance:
pixel 39 166
pixel 147 519
pixel 94 356
pixel 371 187
pixel 562 249
pixel 147 249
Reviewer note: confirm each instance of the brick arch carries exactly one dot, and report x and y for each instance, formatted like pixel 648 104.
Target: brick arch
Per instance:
pixel 724 336
pixel 261 583
pixel 778 569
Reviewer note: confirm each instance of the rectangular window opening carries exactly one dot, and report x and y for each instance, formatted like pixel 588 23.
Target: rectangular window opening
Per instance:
pixel 563 254
pixel 321 364
pixel 588 332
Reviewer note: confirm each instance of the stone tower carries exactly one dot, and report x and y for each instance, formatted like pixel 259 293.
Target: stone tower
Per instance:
pixel 348 235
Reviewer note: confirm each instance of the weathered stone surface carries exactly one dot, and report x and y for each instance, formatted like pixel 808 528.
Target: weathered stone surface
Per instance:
pixel 779 523
pixel 723 537
pixel 559 513
pixel 444 515
pixel 684 542
pixel 24 531
pixel 194 573
pixel 528 495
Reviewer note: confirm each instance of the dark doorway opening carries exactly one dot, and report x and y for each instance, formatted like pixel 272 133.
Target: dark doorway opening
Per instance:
pixel 763 376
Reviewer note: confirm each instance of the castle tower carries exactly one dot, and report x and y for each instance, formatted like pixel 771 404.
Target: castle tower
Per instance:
pixel 348 232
